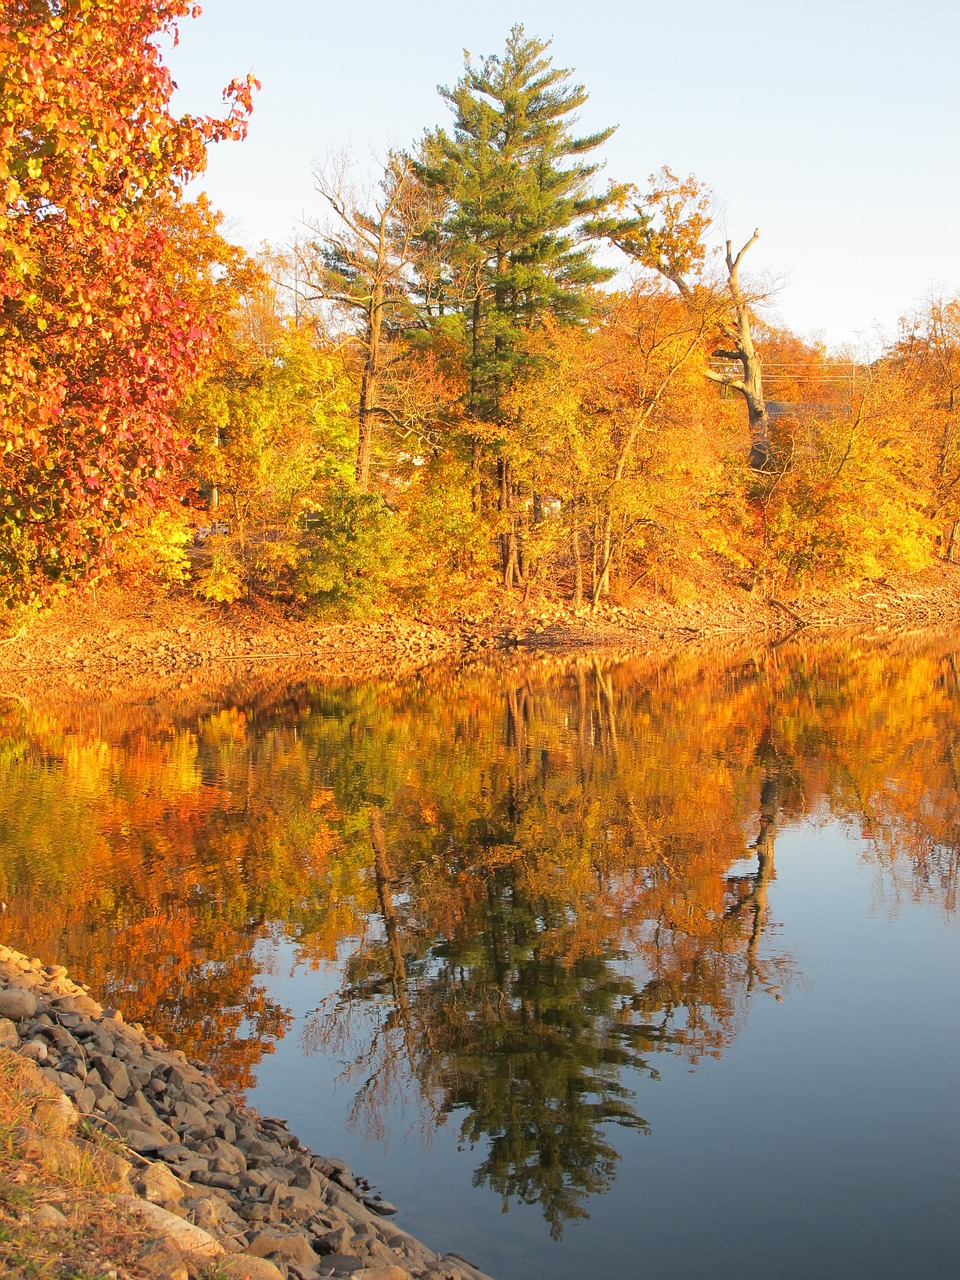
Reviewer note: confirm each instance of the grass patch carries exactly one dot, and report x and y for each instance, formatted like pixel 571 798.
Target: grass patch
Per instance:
pixel 92 1241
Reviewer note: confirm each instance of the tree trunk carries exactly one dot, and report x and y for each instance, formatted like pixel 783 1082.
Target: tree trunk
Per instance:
pixel 368 400
pixel 509 556
pixel 577 557
pixel 952 542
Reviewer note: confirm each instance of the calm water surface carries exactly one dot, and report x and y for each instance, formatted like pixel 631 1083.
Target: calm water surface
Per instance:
pixel 588 965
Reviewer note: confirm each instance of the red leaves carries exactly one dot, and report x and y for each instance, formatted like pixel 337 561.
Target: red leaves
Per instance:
pixel 96 340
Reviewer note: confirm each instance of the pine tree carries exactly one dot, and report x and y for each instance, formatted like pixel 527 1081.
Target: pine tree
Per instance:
pixel 518 191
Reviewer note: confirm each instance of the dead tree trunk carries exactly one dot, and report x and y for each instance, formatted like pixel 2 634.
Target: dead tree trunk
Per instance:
pixel 741 350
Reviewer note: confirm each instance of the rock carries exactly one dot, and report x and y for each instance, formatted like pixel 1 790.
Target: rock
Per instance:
pixel 55 1116
pixel 114 1075
pixel 453 1262
pixel 212 1215
pixel 339 1241
pixel 379 1205
pixel 17 1003
pixel 214 1178
pixel 285 1245
pixel 145 1142
pixel 158 1185
pixel 78 1004
pixel 224 1158
pixel 8 1034
pixel 188 1238
pixel 49 1218
pixel 35 1050
pixel 244 1267
pixel 62 1038
pixel 298 1204
pixel 342 1264
pixel 389 1271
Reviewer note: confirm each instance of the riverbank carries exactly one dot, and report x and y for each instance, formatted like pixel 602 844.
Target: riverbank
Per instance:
pixel 145 638
pixel 128 1160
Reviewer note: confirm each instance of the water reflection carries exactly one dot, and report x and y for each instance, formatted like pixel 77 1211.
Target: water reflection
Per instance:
pixel 532 883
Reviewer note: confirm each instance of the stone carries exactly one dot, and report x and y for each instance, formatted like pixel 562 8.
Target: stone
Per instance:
pixel 158 1185
pixel 55 1116
pixel 188 1238
pixel 54 1155
pixel 114 1075
pixel 389 1271
pixel 338 1241
pixel 8 1034
pixel 214 1178
pixel 299 1204
pixel 160 1264
pixel 379 1205
pixel 224 1157
pixel 244 1267
pixel 341 1264
pixel 78 1004
pixel 49 1218
pixel 260 1151
pixel 144 1141
pixel 285 1245
pixel 62 1038
pixel 35 1050
pixel 211 1214
pixel 18 1004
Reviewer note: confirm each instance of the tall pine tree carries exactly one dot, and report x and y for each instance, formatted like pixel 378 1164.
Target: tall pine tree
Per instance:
pixel 518 188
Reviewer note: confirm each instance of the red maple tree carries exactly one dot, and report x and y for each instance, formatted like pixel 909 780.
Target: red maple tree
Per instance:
pixel 98 338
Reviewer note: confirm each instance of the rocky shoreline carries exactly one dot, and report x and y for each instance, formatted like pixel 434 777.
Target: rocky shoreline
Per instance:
pixel 210 1183
pixel 141 639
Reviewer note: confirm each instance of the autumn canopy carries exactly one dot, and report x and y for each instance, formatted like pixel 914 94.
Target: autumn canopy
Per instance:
pixel 96 342
pixel 494 370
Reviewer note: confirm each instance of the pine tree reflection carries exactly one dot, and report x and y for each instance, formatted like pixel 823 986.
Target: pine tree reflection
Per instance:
pixel 571 952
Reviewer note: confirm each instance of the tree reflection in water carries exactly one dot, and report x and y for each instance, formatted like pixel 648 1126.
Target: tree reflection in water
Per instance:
pixel 542 877
pixel 584 928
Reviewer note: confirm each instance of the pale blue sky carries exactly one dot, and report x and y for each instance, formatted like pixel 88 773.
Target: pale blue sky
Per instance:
pixel 832 127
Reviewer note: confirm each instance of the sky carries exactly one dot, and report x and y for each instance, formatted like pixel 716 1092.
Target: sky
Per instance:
pixel 833 128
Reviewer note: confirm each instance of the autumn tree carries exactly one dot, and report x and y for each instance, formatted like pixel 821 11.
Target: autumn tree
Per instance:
pixel 518 188
pixel 666 235
pixel 270 434
pixel 96 338
pixel 927 355
pixel 361 263
pixel 601 420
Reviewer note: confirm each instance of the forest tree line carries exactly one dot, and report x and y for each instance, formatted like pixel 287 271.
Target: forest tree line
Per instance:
pixel 489 369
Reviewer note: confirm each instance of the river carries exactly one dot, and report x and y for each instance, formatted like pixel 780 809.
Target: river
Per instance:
pixel 593 965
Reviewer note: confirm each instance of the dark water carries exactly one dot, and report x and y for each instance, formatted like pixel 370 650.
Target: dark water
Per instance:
pixel 588 965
